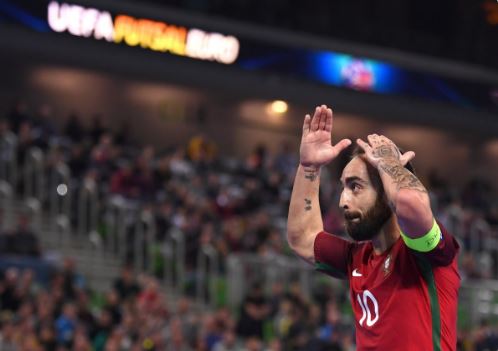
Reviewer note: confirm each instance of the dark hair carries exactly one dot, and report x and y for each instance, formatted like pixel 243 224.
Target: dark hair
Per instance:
pixel 374 173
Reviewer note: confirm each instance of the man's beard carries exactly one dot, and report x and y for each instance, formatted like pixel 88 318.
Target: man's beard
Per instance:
pixel 368 226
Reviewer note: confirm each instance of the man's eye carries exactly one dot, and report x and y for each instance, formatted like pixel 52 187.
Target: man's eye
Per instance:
pixel 355 186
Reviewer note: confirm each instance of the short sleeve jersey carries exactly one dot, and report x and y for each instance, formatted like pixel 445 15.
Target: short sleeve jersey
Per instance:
pixel 402 299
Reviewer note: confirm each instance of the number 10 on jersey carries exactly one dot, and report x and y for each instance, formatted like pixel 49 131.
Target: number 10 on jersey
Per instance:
pixel 368 302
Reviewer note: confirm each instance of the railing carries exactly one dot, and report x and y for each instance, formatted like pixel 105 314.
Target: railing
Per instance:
pixel 478 300
pixel 60 191
pixel 243 270
pixel 115 219
pixel 207 275
pixel 8 159
pixel 478 231
pixel 34 184
pixel 6 196
pixel 34 175
pixel 173 251
pixel 60 195
pixel 34 208
pixel 455 221
pixel 121 217
pixel 88 211
pixel 144 234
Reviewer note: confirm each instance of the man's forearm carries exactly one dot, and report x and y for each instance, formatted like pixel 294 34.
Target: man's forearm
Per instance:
pixel 395 177
pixel 407 197
pixel 305 219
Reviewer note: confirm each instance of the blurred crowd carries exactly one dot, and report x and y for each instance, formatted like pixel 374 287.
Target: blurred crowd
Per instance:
pixel 137 315
pixel 233 205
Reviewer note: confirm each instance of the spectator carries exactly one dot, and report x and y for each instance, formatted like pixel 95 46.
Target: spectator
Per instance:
pixel 254 313
pixel 10 298
pixel 228 342
pixel 85 315
pixel 123 182
pixel 97 129
pixel 103 330
pixel 66 324
pixel 74 129
pixel 23 241
pixel 18 115
pixel 126 285
pixel 485 337
pixel 113 306
pixel 253 344
pixel 47 337
pixel 285 161
pixel 7 149
pixel 177 340
pixel 78 161
pixel 25 141
pixel 103 156
pixel 71 279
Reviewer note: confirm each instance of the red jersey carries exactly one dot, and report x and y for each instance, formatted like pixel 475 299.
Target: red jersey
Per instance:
pixel 402 299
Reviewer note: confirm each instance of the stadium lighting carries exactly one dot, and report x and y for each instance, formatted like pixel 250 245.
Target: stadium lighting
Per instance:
pixel 62 189
pixel 279 107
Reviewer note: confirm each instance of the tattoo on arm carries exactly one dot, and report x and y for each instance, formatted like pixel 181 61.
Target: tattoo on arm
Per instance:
pixel 402 177
pixel 386 151
pixel 307 206
pixel 310 174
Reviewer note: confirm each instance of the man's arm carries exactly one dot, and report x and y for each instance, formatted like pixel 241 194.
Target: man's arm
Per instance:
pixel 405 193
pixel 304 220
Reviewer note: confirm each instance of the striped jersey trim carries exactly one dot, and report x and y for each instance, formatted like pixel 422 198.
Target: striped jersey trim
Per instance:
pixel 326 268
pixel 428 275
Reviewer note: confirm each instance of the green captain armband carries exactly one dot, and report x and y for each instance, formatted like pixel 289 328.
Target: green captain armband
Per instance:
pixel 425 243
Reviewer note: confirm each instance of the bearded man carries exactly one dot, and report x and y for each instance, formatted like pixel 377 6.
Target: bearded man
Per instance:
pixel 402 263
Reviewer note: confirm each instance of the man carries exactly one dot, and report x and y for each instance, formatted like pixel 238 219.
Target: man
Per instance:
pixel 401 265
pixel 23 241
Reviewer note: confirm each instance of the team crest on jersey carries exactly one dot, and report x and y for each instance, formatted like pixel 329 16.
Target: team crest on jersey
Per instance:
pixel 387 265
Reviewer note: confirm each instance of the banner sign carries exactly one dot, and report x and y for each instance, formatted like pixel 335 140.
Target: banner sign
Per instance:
pixel 338 69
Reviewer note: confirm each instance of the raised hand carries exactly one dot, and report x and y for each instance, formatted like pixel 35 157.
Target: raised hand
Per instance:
pixel 380 148
pixel 316 143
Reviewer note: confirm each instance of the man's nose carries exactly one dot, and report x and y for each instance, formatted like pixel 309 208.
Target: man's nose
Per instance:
pixel 343 201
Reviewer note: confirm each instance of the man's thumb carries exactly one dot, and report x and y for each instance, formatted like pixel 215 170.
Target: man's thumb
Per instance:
pixel 341 145
pixel 407 157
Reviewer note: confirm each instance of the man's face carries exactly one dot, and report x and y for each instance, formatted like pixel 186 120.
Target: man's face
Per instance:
pixel 365 211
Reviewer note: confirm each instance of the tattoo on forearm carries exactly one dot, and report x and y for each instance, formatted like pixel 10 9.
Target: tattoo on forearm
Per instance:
pixel 402 177
pixel 310 174
pixel 307 206
pixel 385 151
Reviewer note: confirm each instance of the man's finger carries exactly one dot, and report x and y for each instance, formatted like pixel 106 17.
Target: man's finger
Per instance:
pixel 328 121
pixel 341 145
pixel 385 140
pixel 407 157
pixel 363 144
pixel 323 118
pixel 306 124
pixel 373 139
pixel 315 120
